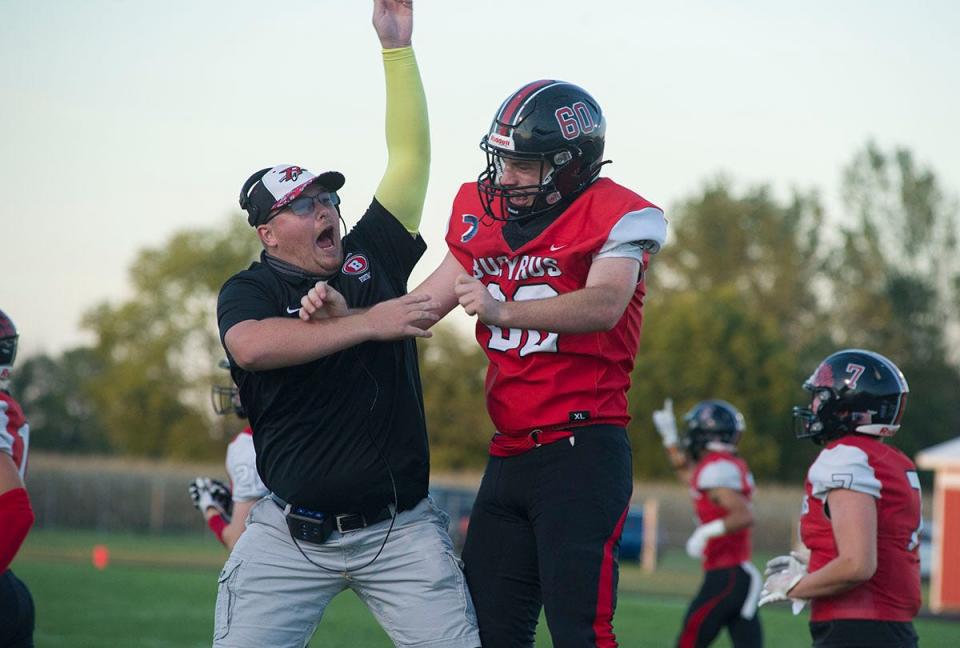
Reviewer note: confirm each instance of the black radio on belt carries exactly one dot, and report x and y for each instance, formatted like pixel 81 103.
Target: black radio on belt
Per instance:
pixel 306 525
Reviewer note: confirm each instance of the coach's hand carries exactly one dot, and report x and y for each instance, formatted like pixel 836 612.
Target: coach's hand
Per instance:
pixel 402 317
pixel 393 20
pixel 322 301
pixel 666 423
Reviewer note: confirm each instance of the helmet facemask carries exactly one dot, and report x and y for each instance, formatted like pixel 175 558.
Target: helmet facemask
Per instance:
pixel 556 169
pixel 8 355
pixel 226 400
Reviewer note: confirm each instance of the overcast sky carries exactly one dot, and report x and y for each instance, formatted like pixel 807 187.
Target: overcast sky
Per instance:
pixel 122 122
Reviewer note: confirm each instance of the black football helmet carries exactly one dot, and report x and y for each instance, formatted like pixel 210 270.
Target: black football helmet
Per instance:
pixel 226 398
pixel 712 420
pixel 8 348
pixel 554 123
pixel 853 391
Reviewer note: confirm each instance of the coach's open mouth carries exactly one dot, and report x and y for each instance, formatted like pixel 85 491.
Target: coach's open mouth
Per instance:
pixel 325 238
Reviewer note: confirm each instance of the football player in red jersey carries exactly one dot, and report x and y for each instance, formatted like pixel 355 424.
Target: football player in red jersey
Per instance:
pixel 721 486
pixel 16 515
pixel 550 258
pixel 225 508
pixel 861 512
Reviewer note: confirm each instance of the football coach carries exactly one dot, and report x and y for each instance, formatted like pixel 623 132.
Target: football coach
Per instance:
pixel 336 404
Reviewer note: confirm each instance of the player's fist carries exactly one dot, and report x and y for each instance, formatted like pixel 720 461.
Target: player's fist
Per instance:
pixel 782 574
pixel 222 497
pixel 201 494
pixel 477 300
pixel 666 423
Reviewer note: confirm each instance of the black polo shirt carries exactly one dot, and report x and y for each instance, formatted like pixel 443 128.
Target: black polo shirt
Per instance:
pixel 315 424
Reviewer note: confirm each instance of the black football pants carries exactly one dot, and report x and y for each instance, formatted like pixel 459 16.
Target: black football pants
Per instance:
pixel 545 530
pixel 16 612
pixel 718 605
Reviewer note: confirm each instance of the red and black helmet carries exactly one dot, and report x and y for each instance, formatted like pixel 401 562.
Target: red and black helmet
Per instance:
pixel 553 122
pixel 8 346
pixel 854 391
pixel 712 420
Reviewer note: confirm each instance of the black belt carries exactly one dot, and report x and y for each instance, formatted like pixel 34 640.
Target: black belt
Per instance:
pixel 342 522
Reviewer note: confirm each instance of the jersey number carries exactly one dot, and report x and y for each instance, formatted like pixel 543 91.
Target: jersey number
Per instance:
pixel 536 341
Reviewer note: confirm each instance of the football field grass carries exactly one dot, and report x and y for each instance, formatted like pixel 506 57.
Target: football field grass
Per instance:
pixel 160 592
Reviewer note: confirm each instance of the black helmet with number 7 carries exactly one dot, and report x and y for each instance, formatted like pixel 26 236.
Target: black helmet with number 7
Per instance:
pixel 854 391
pixel 551 122
pixel 712 421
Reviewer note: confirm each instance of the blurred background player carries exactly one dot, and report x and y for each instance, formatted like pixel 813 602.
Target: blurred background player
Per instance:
pixel 722 487
pixel 225 507
pixel 16 516
pixel 861 513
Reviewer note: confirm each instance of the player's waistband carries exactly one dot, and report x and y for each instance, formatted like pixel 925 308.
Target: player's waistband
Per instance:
pixel 509 445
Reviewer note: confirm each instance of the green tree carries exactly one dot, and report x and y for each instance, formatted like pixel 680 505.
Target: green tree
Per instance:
pixel 54 395
pixel 158 350
pixel 699 345
pixel 768 252
pixel 452 368
pixel 896 283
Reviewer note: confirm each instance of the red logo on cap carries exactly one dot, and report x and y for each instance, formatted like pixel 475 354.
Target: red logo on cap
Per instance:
pixel 290 174
pixel 355 264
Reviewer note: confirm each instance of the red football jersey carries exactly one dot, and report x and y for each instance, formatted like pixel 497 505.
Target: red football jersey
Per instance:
pixel 721 470
pixel 866 465
pixel 14 432
pixel 539 379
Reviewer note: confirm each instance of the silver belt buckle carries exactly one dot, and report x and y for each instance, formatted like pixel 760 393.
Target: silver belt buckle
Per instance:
pixel 339 520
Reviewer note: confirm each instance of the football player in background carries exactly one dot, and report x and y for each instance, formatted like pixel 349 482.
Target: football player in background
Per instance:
pixel 225 507
pixel 861 513
pixel 721 486
pixel 550 258
pixel 16 515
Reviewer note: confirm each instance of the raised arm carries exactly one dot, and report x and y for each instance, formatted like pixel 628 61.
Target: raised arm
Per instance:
pixel 404 185
pixel 666 424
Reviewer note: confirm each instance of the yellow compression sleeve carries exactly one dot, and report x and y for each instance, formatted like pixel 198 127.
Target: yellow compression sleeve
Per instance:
pixel 404 185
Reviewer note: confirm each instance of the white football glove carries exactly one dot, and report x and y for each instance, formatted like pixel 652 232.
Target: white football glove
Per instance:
pixel 782 573
pixel 701 535
pixel 666 423
pixel 206 493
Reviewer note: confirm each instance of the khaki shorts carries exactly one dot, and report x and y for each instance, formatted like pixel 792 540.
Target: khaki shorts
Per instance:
pixel 270 595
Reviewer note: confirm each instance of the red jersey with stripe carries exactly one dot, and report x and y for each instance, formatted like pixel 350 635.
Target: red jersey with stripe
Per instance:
pixel 722 470
pixel 866 465
pixel 539 380
pixel 14 432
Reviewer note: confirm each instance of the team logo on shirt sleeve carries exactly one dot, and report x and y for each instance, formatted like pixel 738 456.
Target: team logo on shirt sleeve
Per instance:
pixel 473 224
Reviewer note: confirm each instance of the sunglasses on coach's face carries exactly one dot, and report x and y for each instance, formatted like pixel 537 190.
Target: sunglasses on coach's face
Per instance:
pixel 305 205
